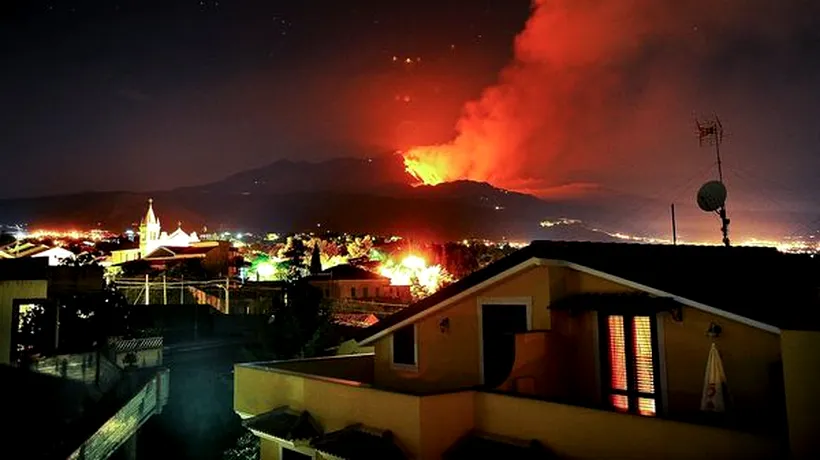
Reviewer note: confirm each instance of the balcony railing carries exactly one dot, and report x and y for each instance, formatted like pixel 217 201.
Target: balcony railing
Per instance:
pixel 90 368
pixel 339 391
pixel 149 400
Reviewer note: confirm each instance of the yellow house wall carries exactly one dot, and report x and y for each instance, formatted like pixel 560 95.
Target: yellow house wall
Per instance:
pixel 444 419
pixel 532 368
pixel 581 283
pixel 9 291
pixel 451 360
pixel 333 405
pixel 751 360
pixel 268 450
pixel 124 255
pixel 580 433
pixel 801 370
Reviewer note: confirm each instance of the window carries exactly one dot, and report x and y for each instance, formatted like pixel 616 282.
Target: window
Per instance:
pixel 630 364
pixel 353 292
pixel 404 346
pixel 364 292
pixel 289 454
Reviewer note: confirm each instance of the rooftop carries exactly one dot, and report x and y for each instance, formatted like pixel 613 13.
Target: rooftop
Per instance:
pixel 785 293
pixel 358 443
pixel 346 272
pixel 166 252
pixel 286 424
pixel 476 445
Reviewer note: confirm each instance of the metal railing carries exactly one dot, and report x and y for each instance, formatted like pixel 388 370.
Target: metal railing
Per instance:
pixel 91 368
pixel 126 422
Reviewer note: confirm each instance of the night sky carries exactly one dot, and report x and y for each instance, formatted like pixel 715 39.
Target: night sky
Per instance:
pixel 146 95
pixel 157 94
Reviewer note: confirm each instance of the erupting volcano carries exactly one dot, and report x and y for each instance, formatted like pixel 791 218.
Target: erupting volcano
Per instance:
pixel 595 85
pixel 518 134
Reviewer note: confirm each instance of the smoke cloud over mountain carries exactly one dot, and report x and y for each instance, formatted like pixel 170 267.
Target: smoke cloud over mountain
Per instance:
pixel 610 88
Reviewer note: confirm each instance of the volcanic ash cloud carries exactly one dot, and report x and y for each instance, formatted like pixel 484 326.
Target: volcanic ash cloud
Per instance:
pixel 586 77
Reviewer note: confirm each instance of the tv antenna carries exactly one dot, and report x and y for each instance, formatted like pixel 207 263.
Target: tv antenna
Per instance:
pixel 712 195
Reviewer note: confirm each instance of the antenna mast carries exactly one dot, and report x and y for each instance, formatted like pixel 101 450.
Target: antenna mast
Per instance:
pixel 710 131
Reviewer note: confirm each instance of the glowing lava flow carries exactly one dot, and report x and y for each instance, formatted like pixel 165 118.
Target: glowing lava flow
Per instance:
pixel 427 164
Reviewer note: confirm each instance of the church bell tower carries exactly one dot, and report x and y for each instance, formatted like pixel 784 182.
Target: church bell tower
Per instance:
pixel 149 230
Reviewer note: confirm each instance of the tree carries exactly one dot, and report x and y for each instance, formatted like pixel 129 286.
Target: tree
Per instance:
pixel 293 255
pixel 302 327
pixel 6 238
pixel 84 259
pixel 360 247
pixel 315 259
pixel 130 360
pixel 246 448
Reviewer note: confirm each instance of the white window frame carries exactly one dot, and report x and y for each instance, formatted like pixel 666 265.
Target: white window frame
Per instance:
pixel 480 302
pixel 407 367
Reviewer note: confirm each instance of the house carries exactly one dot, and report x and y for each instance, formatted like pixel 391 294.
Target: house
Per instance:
pixel 30 286
pixel 569 350
pixel 56 255
pixel 75 398
pixel 153 237
pixel 344 282
pixel 23 286
pixel 216 258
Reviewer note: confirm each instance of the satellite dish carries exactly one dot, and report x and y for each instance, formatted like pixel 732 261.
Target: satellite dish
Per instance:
pixel 712 196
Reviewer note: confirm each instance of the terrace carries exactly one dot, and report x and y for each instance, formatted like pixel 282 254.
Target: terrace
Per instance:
pixel 340 391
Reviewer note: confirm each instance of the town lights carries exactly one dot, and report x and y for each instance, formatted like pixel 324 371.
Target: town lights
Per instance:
pixel 265 270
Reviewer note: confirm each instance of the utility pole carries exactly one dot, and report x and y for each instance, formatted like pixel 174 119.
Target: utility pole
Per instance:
pixel 227 295
pixel 674 227
pixel 147 290
pixel 182 289
pixel 164 290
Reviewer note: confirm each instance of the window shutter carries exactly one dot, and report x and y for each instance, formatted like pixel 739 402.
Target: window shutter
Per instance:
pixel 644 368
pixel 631 366
pixel 617 361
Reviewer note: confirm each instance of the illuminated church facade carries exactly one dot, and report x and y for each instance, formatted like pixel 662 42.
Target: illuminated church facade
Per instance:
pixel 152 236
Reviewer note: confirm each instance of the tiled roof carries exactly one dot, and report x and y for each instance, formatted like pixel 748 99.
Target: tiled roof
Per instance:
pixel 346 272
pixel 762 284
pixel 475 445
pixel 285 423
pixel 165 252
pixel 358 443
pixel 355 319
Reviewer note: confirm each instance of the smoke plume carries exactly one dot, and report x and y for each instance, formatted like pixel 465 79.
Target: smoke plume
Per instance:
pixel 603 85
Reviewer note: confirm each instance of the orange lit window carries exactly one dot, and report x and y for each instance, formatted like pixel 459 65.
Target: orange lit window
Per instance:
pixel 630 366
pixel 617 353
